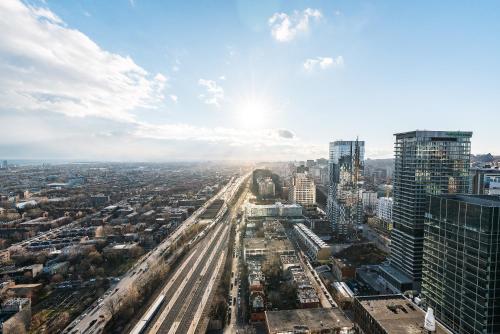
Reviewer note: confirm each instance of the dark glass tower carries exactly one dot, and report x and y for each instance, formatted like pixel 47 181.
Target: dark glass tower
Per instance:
pixel 426 162
pixel 461 262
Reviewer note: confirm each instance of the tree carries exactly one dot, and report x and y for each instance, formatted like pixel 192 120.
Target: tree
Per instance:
pixel 112 306
pixel 95 258
pixel 57 278
pixel 60 322
pixel 272 270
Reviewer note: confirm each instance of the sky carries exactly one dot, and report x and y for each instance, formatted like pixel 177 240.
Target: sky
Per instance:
pixel 145 80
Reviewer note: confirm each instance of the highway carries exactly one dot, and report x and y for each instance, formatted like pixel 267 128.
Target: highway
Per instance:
pixel 95 318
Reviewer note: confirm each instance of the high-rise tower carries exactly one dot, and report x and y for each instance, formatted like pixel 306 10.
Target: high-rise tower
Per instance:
pixel 344 206
pixel 461 266
pixel 426 162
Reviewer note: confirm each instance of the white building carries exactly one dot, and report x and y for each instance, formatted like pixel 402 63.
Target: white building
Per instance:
pixel 316 248
pixel 303 190
pixel 384 209
pixel 273 210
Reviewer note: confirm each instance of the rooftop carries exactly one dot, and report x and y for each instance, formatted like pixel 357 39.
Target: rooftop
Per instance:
pixel 483 200
pixel 255 243
pixel 315 320
pixel 396 314
pixel 430 133
pixel 311 235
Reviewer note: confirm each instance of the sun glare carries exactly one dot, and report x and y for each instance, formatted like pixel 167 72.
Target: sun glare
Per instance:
pixel 253 113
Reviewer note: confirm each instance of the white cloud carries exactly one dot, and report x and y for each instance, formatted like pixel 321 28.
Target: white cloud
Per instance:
pixel 214 94
pixel 231 136
pixel 44 13
pixel 174 98
pixel 54 135
pixel 323 63
pixel 285 28
pixel 46 66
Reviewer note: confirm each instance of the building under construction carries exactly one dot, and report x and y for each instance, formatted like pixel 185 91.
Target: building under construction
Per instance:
pixel 344 204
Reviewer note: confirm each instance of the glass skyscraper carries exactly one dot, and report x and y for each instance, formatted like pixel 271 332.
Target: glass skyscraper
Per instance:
pixel 461 262
pixel 344 205
pixel 426 162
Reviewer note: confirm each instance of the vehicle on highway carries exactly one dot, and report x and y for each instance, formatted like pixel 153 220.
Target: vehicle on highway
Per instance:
pixel 141 326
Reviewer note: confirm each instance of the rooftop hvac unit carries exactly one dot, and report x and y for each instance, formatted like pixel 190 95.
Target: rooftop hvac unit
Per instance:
pixel 430 321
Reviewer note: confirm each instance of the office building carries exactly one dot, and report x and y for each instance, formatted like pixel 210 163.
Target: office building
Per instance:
pixel 344 205
pixel 303 190
pixel 426 162
pixel 461 265
pixel 485 181
pixel 4 165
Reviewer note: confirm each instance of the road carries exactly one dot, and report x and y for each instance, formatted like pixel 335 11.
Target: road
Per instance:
pixel 95 318
pixel 236 320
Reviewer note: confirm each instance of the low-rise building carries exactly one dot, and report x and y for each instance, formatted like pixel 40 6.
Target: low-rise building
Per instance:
pixel 57 268
pixel 15 312
pixel 24 273
pixel 342 270
pixel 318 320
pixel 261 248
pixel 26 290
pixel 273 210
pixel 390 314
pixel 126 250
pixel 315 248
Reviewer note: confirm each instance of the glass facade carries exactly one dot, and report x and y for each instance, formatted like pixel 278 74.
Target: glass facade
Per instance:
pixel 344 204
pixel 461 262
pixel 426 162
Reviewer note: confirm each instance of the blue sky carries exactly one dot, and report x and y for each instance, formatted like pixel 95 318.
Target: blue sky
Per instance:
pixel 190 80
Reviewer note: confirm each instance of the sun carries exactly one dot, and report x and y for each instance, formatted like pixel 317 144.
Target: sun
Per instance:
pixel 253 113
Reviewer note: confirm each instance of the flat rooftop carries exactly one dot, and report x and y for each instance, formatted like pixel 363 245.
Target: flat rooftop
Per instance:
pixel 430 133
pixel 397 314
pixel 255 243
pixel 400 276
pixel 483 200
pixel 315 319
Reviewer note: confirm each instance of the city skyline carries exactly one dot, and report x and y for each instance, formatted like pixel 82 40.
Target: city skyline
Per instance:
pixel 240 80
